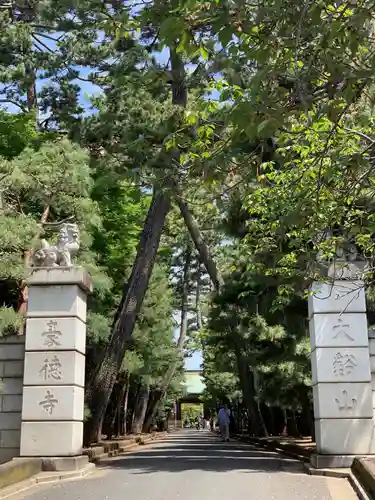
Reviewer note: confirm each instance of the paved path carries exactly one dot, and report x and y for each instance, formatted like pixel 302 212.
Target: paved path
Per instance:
pixel 192 465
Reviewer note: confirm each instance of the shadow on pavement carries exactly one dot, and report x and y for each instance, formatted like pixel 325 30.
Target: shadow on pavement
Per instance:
pixel 191 450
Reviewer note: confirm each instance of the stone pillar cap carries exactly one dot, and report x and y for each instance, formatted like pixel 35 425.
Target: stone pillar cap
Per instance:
pixel 44 276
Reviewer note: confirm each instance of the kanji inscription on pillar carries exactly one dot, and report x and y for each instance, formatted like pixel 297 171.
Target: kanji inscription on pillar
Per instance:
pixel 341 330
pixel 344 364
pixel 54 368
pixel 55 334
pixel 49 402
pixel 335 364
pixel 51 369
pixel 345 402
pixel 51 336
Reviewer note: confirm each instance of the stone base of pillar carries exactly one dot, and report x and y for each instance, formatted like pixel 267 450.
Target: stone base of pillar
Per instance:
pixel 64 463
pixel 53 464
pixel 333 461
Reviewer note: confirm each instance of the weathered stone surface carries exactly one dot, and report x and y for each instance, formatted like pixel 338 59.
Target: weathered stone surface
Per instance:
pixel 339 364
pixel 59 254
pixel 10 421
pixel 343 400
pixel 12 386
pixel 345 330
pixel 18 470
pixel 13 368
pixel 54 368
pixel 340 297
pixel 64 463
pixel 53 403
pixel 7 454
pixel 46 439
pixel 344 436
pixel 61 276
pixel 43 334
pixel 57 301
pixel 11 403
pixel 332 461
pixel 10 439
pixel 12 352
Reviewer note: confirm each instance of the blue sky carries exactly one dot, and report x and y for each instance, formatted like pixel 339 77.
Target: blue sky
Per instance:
pixel 194 363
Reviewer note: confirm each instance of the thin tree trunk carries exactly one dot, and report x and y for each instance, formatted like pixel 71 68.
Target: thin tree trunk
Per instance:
pixel 140 409
pixel 285 427
pixel 160 392
pixel 197 237
pixel 126 401
pixel 100 386
pixel 198 308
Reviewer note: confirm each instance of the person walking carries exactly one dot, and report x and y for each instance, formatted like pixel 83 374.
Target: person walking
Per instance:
pixel 223 420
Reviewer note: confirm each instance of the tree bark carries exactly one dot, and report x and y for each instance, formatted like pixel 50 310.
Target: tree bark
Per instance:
pixel 246 378
pixel 161 391
pixel 123 428
pixel 292 426
pixel 100 386
pixel 197 237
pixel 198 309
pixel 140 409
pixel 117 413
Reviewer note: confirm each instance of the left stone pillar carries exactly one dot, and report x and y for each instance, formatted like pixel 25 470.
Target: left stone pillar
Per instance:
pixel 54 371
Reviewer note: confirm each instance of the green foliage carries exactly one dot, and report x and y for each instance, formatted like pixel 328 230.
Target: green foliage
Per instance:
pixel 10 321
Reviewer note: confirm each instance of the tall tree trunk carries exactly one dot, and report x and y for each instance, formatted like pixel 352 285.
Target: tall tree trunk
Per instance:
pixel 198 239
pixel 198 308
pixel 160 392
pixel 100 386
pixel 117 413
pixel 285 419
pixel 123 427
pixel 140 409
pixel 246 377
pixel 292 426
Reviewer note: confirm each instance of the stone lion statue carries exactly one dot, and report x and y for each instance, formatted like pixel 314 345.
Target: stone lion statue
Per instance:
pixel 61 253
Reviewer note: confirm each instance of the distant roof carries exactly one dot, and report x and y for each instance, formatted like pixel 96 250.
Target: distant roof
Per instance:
pixel 194 382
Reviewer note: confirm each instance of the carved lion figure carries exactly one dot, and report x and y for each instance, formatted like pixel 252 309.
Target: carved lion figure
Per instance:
pixel 61 254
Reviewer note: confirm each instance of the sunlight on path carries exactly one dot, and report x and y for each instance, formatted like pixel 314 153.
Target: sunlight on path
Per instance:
pixel 191 465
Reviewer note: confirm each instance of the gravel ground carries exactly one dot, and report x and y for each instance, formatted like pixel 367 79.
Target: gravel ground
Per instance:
pixel 192 465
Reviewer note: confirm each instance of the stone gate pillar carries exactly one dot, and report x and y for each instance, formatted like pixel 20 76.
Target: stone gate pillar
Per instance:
pixel 341 374
pixel 54 371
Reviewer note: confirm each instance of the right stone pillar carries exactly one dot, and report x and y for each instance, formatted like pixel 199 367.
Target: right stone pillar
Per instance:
pixel 341 374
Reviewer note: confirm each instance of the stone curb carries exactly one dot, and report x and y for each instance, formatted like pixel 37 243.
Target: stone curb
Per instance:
pixel 337 473
pixel 358 488
pixel 45 478
pixel 99 453
pixel 273 447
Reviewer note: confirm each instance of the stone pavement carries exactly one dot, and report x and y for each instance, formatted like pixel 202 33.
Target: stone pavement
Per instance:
pixel 193 465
